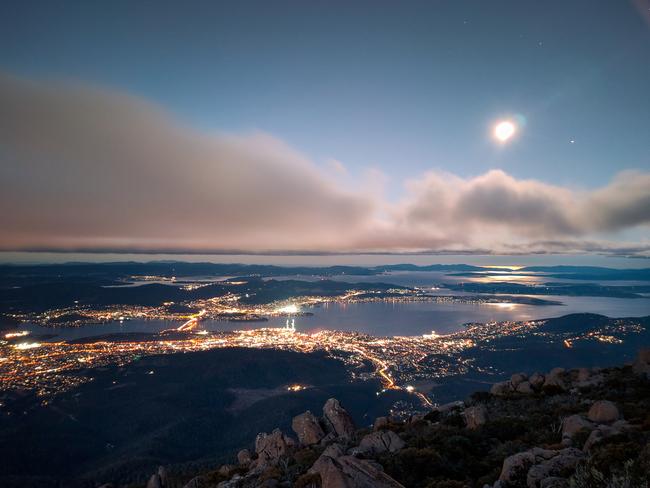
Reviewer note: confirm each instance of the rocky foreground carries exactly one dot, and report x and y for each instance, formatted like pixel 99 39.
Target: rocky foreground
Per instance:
pixel 579 428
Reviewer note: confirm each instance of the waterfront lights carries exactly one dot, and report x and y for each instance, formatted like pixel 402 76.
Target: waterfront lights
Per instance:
pixel 11 335
pixel 27 345
pixel 288 309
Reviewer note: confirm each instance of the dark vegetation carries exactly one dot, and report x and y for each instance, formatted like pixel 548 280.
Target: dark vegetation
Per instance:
pixel 172 409
pixel 177 410
pixel 544 348
pixel 441 452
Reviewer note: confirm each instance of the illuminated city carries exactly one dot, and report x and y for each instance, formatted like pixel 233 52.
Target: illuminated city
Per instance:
pixel 399 362
pixel 343 244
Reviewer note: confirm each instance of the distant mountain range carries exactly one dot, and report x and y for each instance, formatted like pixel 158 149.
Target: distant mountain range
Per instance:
pixel 119 270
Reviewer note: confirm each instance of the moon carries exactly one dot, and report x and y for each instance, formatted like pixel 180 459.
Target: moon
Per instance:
pixel 504 130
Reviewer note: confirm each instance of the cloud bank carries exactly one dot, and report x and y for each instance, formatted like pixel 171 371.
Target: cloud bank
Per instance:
pixel 85 168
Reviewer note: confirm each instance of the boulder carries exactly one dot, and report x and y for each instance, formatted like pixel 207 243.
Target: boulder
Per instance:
pixel 380 423
pixel 515 468
pixel 517 378
pixel 603 412
pixel 556 378
pixel 331 474
pixel 337 419
pixel 563 462
pixel 271 447
pixel 475 416
pixel 307 428
pixel 525 388
pixel 334 451
pixel 531 468
pixel 500 389
pixel 602 432
pixel 574 424
pixel 351 472
pixel 537 381
pixel 381 441
pixel 244 457
pixel 329 438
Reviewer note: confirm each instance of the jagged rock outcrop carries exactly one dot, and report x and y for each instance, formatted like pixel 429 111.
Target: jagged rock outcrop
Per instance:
pixel 351 472
pixel 307 428
pixel 154 481
pixel 271 447
pixel 244 457
pixel 334 451
pixel 603 412
pixel 159 479
pixel 558 379
pixel 338 420
pixel 381 441
pixel 524 402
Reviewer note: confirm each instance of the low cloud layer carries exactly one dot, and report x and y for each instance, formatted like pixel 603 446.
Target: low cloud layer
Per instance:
pixel 85 168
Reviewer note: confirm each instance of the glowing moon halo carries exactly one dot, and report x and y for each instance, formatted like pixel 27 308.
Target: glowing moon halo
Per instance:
pixel 504 130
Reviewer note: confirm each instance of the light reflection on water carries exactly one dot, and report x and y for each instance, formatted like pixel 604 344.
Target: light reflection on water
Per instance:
pixel 399 318
pixel 433 278
pixel 388 318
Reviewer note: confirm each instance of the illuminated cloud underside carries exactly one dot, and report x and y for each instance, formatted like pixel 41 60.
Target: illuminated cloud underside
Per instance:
pixel 93 169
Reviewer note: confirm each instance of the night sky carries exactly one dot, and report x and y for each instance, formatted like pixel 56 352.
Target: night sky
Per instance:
pixel 326 126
